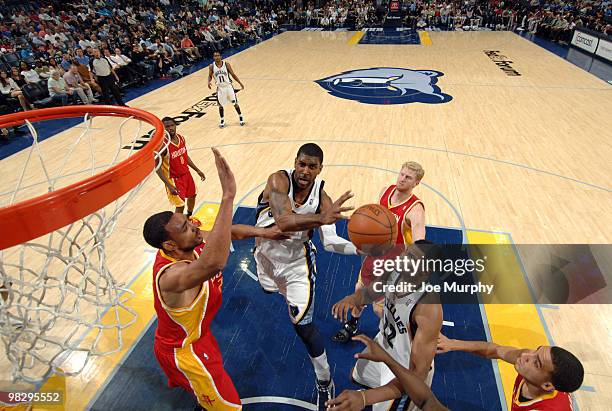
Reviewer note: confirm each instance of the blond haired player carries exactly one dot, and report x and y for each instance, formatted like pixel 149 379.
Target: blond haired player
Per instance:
pixel 410 213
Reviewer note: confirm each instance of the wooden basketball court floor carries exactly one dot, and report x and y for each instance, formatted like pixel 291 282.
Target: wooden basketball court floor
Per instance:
pixel 522 159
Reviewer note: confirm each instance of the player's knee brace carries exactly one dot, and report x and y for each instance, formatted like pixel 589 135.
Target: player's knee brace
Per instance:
pixel 309 334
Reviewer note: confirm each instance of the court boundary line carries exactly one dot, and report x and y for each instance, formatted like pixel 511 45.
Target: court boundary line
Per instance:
pixel 279 400
pixel 406 146
pixel 538 308
pixel 563 58
pixel 122 361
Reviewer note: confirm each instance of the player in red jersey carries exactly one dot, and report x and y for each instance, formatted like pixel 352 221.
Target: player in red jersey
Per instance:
pixel 187 281
pixel 546 375
pixel 410 213
pixel 174 170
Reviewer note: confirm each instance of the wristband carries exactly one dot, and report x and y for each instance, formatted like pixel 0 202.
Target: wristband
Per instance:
pixel 365 404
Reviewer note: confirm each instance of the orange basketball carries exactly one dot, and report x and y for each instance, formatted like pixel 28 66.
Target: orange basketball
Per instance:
pixel 373 229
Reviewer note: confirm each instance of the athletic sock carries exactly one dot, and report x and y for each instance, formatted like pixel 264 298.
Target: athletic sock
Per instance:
pixel 321 367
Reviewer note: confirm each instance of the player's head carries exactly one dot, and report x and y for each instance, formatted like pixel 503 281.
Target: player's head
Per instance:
pixel 308 164
pixel 551 368
pixel 409 176
pixel 169 125
pixel 217 57
pixel 171 232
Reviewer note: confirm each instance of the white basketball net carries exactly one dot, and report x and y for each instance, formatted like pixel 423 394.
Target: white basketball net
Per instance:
pixel 60 304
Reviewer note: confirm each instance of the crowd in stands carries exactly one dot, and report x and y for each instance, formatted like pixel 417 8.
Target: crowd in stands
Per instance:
pixel 553 18
pixel 54 52
pixel 58 53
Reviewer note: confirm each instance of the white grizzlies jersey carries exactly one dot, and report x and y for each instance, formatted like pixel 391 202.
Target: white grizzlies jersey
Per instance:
pixel 221 75
pixel 395 336
pixel 396 328
pixel 294 247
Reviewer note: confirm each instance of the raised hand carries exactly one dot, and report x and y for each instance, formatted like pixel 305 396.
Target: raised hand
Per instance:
pixel 444 344
pixel 335 212
pixel 349 400
pixel 226 177
pixel 341 309
pixel 374 353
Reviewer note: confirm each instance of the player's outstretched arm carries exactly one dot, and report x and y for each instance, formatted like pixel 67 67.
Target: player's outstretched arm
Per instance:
pixel 333 243
pixel 242 231
pixel 182 276
pixel 365 295
pixel 481 348
pixel 277 189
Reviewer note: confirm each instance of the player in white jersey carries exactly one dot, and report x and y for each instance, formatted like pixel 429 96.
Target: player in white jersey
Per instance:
pixel 294 200
pixel 408 331
pixel 405 382
pixel 223 73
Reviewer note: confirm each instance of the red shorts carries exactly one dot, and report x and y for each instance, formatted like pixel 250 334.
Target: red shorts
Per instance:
pixel 185 186
pixel 366 275
pixel 198 368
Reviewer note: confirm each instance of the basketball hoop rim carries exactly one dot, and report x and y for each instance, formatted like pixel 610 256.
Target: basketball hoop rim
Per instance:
pixel 32 218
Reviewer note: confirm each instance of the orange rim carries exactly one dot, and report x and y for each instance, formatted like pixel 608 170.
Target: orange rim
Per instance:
pixel 41 215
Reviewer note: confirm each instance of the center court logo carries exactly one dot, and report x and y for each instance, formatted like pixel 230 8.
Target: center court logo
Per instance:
pixel 386 85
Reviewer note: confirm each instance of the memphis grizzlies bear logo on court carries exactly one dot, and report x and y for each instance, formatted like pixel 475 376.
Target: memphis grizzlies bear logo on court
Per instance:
pixel 386 85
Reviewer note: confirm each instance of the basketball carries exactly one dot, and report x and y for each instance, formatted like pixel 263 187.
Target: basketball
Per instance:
pixel 373 229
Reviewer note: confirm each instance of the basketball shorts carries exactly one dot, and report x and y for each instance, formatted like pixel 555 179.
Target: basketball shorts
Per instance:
pixel 373 374
pixel 186 188
pixel 226 95
pixel 294 280
pixel 370 263
pixel 367 277
pixel 198 368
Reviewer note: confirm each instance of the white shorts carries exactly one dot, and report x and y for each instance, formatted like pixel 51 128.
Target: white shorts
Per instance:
pixel 226 95
pixel 293 280
pixel 376 374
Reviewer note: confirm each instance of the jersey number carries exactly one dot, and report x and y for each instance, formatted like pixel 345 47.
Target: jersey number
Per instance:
pixel 222 79
pixel 389 330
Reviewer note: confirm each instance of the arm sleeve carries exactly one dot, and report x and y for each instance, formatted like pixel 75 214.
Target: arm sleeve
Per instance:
pixel 333 243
